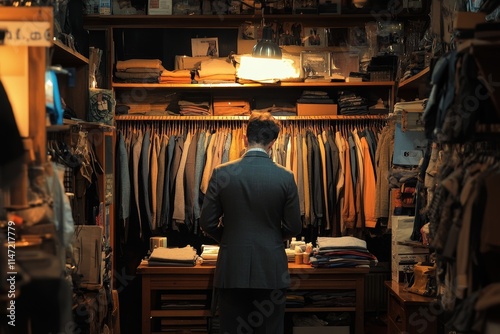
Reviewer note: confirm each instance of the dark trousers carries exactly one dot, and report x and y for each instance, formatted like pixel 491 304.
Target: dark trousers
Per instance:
pixel 257 311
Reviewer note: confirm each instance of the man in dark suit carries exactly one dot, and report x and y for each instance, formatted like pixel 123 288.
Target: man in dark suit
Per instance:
pixel 251 207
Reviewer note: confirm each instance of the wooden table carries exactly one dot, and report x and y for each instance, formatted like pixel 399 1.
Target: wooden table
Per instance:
pixel 409 312
pixel 193 287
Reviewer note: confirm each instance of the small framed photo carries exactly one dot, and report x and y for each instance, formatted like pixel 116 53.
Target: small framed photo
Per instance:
pixel 315 37
pixel 315 64
pixel 202 47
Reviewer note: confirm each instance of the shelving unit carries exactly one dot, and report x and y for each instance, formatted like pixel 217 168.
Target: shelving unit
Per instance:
pixel 73 86
pixel 416 86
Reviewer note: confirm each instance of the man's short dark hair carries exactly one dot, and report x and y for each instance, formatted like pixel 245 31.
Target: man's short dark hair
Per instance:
pixel 262 128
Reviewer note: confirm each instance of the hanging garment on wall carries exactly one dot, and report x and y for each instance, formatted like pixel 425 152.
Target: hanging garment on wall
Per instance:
pixel 169 169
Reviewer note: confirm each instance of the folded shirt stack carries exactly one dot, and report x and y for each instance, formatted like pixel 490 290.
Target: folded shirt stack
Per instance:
pixel 351 104
pixel 315 97
pixel 161 256
pixel 338 252
pixel 138 70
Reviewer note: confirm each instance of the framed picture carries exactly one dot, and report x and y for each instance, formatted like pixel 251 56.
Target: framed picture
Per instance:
pixel 315 64
pixel 201 47
pixel 315 37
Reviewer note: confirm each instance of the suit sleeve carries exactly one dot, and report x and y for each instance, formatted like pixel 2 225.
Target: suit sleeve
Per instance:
pixel 211 210
pixel 291 224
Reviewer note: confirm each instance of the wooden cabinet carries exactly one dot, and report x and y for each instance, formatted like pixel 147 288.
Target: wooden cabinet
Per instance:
pixel 166 289
pixel 409 312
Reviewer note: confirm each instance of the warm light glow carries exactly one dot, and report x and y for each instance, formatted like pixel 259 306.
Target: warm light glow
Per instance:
pixel 15 78
pixel 266 70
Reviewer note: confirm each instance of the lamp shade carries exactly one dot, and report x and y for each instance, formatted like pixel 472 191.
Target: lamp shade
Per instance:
pixel 266 48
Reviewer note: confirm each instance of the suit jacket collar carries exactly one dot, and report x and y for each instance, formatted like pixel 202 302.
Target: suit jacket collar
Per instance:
pixel 256 154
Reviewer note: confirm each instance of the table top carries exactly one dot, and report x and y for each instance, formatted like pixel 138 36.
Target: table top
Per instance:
pixel 406 297
pixel 202 269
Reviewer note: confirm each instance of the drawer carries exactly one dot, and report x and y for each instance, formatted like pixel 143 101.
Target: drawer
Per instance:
pixel 396 313
pixel 393 328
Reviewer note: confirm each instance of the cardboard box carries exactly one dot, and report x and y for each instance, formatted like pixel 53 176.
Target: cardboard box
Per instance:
pixel 316 109
pixel 321 330
pixel 159 7
pixel 89 255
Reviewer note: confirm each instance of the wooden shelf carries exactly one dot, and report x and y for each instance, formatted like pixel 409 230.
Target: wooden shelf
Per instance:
pixel 243 118
pixel 181 313
pixel 65 56
pixel 204 21
pixel 414 81
pixel 320 309
pixel 249 85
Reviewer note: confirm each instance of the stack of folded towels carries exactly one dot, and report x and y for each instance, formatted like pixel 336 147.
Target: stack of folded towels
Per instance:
pixel 182 257
pixel 138 70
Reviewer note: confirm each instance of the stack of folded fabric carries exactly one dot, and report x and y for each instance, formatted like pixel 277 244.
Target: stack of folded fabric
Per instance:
pixel 138 70
pixel 335 252
pixel 209 254
pixel 176 77
pixel 216 71
pixel 183 257
pixel 351 104
pixel 315 97
pixel 188 108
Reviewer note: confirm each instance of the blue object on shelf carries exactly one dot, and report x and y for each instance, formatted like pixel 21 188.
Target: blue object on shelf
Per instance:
pixel 53 103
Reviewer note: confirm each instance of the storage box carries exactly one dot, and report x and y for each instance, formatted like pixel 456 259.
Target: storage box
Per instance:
pixel 316 109
pixel 321 330
pixel 88 254
pixel 159 7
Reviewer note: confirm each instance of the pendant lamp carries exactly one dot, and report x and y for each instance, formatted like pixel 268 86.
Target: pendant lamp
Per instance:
pixel 266 48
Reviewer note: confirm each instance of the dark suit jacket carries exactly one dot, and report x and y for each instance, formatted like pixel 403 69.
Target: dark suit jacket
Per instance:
pixel 259 203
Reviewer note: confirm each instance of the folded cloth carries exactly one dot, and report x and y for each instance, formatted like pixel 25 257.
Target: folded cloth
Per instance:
pixel 134 63
pixel 137 75
pixel 216 67
pixel 177 74
pixel 185 254
pixel 341 242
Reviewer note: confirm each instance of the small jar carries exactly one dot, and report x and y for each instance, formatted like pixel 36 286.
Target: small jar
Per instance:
pixel 298 258
pixel 305 258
